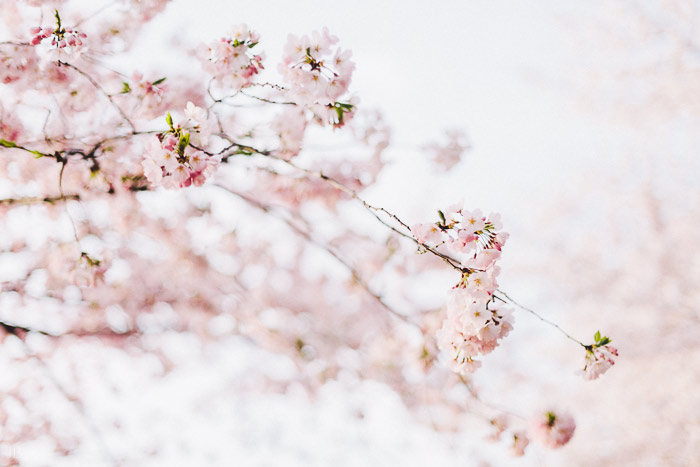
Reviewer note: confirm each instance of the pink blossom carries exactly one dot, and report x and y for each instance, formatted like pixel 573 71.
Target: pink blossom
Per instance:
pixel 598 361
pixel 484 259
pixel 552 429
pixel 230 60
pixel 427 233
pixel 446 155
pixel 520 442
pixel 318 76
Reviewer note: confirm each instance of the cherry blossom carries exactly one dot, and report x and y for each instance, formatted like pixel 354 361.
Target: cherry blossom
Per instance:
pixel 448 154
pixel 173 161
pixel 475 322
pixel 552 429
pixel 264 245
pixel 520 442
pixel 65 42
pixel 599 358
pixel 230 60
pixel 318 76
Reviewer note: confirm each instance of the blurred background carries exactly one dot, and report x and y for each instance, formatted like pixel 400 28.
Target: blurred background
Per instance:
pixel 582 126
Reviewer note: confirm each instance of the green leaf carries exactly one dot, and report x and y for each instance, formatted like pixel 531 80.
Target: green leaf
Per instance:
pixel 8 144
pixel 169 120
pixel 58 19
pixel 339 111
pixel 604 341
pixel 442 217
pixel 184 142
pixel 38 154
pixel 158 81
pixel 126 88
pixel 597 337
pixel 252 44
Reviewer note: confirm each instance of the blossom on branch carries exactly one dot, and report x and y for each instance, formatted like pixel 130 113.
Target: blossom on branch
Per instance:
pixel 318 76
pixel 65 42
pixel 474 322
pixel 552 429
pixel 172 161
pixel 230 59
pixel 599 358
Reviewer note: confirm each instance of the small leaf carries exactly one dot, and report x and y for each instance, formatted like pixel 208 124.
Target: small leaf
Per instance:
pixel 38 154
pixel 126 89
pixel 158 81
pixel 8 144
pixel 184 142
pixel 597 337
pixel 252 44
pixel 169 120
pixel 442 217
pixel 604 341
pixel 339 111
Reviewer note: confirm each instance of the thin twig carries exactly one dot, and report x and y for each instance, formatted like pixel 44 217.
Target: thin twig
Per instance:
pixel 307 236
pixel 99 88
pixel 39 199
pixel 538 316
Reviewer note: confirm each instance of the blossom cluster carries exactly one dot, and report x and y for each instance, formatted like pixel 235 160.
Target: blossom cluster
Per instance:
pixel 17 62
pixel 64 41
pixel 318 75
pixel 290 126
pixel 88 271
pixel 463 233
pixel 599 358
pixel 229 59
pixel 552 429
pixel 449 153
pixel 474 322
pixel 171 160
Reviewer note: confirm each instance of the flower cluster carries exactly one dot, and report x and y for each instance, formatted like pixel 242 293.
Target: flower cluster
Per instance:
pixel 318 75
pixel 65 41
pixel 229 59
pixel 171 161
pixel 290 126
pixel 520 442
pixel 147 97
pixel 449 153
pixel 464 232
pixel 88 271
pixel 551 429
pixel 17 62
pixel 599 358
pixel 474 322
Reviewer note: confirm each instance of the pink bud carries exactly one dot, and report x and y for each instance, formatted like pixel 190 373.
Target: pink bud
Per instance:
pixel 34 30
pixel 62 43
pixel 83 35
pixel 36 40
pixel 72 40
